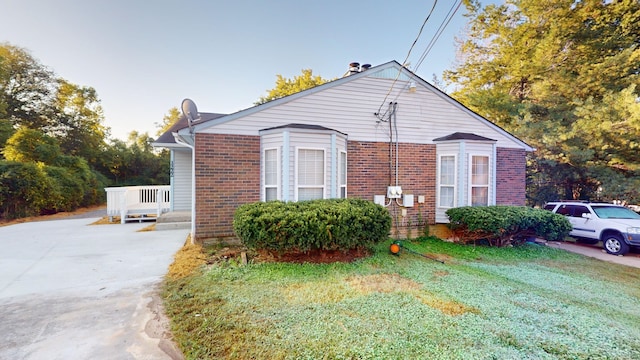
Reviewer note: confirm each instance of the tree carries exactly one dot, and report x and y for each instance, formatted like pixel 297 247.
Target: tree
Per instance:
pixel 26 88
pixel 29 145
pixel 6 131
pixel 79 119
pixel 285 87
pixel 556 73
pixel 168 121
pixel 135 161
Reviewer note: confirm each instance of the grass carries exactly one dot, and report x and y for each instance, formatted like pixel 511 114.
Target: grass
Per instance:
pixel 529 302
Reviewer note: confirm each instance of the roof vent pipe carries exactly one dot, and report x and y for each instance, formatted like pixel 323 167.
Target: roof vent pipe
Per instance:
pixel 354 68
pixel 365 67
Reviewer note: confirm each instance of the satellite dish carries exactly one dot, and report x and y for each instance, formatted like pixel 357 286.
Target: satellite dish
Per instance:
pixel 190 111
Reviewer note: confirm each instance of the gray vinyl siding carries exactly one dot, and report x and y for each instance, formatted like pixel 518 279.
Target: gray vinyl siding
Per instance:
pixel 181 180
pixel 349 108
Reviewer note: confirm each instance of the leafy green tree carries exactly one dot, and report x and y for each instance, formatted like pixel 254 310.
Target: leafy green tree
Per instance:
pixel 285 87
pixel 556 73
pixel 135 162
pixel 26 88
pixel 29 145
pixel 168 121
pixel 6 131
pixel 79 121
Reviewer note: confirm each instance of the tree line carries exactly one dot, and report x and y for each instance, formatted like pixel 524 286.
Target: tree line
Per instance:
pixel 564 76
pixel 56 154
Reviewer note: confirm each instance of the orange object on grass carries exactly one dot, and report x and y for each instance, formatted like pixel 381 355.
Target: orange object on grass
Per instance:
pixel 394 248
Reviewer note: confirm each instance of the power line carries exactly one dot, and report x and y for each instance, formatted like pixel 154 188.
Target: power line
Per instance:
pixel 405 61
pixel 434 39
pixel 445 22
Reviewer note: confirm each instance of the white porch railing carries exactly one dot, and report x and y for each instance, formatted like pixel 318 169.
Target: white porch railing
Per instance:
pixel 136 202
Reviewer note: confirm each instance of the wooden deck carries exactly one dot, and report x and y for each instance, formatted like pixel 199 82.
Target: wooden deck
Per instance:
pixel 138 203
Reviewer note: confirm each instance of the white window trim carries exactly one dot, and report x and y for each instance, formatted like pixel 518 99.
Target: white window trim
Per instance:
pixel 470 184
pixel 455 180
pixel 346 174
pixel 278 185
pixel 324 169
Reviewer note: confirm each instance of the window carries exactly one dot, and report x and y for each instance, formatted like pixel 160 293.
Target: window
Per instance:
pixel 302 162
pixel 310 174
pixel 342 175
pixel 577 210
pixel 447 181
pixel 479 180
pixel 270 174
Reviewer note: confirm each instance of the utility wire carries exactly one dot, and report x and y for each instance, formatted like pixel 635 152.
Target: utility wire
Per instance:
pixel 452 11
pixel 445 22
pixel 405 61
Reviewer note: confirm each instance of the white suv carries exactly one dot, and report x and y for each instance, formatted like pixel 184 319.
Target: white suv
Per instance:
pixel 616 226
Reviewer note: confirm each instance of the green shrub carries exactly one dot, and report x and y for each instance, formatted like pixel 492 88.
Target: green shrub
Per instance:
pixel 28 189
pixel 91 185
pixel 67 190
pixel 503 225
pixel 25 189
pixel 335 224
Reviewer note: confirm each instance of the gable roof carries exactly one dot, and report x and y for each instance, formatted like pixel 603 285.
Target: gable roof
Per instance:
pixel 391 67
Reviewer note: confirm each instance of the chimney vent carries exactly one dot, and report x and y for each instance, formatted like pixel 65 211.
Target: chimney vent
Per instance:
pixel 365 67
pixel 354 68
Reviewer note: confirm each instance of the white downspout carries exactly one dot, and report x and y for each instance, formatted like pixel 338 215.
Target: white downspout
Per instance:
pixel 180 141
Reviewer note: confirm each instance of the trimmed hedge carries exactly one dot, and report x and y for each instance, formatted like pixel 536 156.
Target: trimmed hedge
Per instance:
pixel 333 224
pixel 504 225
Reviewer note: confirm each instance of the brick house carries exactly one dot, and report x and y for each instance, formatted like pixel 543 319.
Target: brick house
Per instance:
pixel 379 133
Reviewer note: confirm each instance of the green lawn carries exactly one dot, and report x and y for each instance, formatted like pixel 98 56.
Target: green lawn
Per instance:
pixel 529 302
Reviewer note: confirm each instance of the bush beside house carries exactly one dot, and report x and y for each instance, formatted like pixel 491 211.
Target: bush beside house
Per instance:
pixel 505 225
pixel 334 224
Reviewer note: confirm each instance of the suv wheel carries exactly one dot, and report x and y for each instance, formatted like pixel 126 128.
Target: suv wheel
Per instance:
pixel 614 245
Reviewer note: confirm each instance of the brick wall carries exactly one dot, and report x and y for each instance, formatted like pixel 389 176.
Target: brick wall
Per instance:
pixel 227 176
pixel 511 169
pixel 369 175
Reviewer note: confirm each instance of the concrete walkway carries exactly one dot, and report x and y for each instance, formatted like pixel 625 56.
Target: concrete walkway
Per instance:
pixel 70 290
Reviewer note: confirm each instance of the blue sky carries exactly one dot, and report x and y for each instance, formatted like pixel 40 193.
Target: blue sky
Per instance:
pixel 144 57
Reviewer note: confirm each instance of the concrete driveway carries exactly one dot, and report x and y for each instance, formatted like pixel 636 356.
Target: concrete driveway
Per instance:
pixel 70 290
pixel 596 251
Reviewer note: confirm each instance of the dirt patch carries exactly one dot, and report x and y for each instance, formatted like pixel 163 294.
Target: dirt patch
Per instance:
pixel 187 260
pixel 314 256
pixel 159 327
pixel 393 283
pixel 382 283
